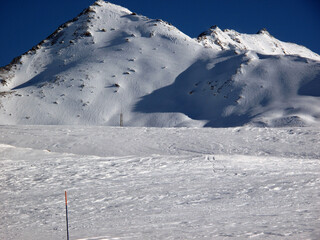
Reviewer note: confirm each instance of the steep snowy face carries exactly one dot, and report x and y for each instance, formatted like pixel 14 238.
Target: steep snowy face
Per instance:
pixel 262 42
pixel 109 61
pixel 97 31
pixel 95 67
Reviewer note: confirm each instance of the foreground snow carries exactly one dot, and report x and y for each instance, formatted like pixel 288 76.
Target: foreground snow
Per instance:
pixel 151 183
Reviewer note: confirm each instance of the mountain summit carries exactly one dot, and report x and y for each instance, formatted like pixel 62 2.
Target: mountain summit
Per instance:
pixel 110 61
pixel 262 42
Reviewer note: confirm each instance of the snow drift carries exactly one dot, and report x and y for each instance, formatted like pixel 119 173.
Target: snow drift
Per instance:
pixel 109 60
pixel 159 183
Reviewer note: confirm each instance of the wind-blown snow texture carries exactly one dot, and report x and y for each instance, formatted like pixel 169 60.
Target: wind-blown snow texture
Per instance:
pixel 159 183
pixel 109 60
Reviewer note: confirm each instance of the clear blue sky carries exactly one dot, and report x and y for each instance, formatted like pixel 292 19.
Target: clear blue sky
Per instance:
pixel 24 23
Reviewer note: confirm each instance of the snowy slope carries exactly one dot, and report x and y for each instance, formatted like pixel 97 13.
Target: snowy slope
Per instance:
pixel 159 183
pixel 109 60
pixel 262 42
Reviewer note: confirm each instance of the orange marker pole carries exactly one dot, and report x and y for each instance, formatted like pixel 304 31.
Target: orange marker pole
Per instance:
pixel 65 193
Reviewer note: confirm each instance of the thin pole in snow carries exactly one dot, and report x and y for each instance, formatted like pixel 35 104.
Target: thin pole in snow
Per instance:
pixel 121 119
pixel 65 193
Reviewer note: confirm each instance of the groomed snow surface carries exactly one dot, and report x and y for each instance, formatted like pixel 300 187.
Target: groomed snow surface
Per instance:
pixel 159 183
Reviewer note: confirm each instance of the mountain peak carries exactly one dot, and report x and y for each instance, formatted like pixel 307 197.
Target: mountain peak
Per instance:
pixel 263 31
pixel 262 42
pixel 211 31
pixel 214 27
pixel 108 61
pixel 111 7
pixel 99 3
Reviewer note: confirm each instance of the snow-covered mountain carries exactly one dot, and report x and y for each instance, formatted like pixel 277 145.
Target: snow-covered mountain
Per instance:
pixel 109 60
pixel 262 42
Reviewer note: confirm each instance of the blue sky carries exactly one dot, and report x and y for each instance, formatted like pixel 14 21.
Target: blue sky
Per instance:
pixel 25 23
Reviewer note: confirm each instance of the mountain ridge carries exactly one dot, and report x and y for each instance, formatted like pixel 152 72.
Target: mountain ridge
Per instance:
pixel 109 60
pixel 228 39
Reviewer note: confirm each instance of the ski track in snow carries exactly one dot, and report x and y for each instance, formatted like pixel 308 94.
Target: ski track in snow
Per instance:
pixel 182 191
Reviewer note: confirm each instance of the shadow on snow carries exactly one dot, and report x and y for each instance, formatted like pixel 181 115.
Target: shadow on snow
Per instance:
pixel 202 92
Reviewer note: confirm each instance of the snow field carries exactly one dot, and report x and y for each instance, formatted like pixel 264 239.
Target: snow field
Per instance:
pixel 133 183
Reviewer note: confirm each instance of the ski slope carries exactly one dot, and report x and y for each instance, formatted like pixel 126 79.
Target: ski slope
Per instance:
pixel 159 183
pixel 61 101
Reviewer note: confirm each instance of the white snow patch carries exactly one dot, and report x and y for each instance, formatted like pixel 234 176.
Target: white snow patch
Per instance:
pixel 151 183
